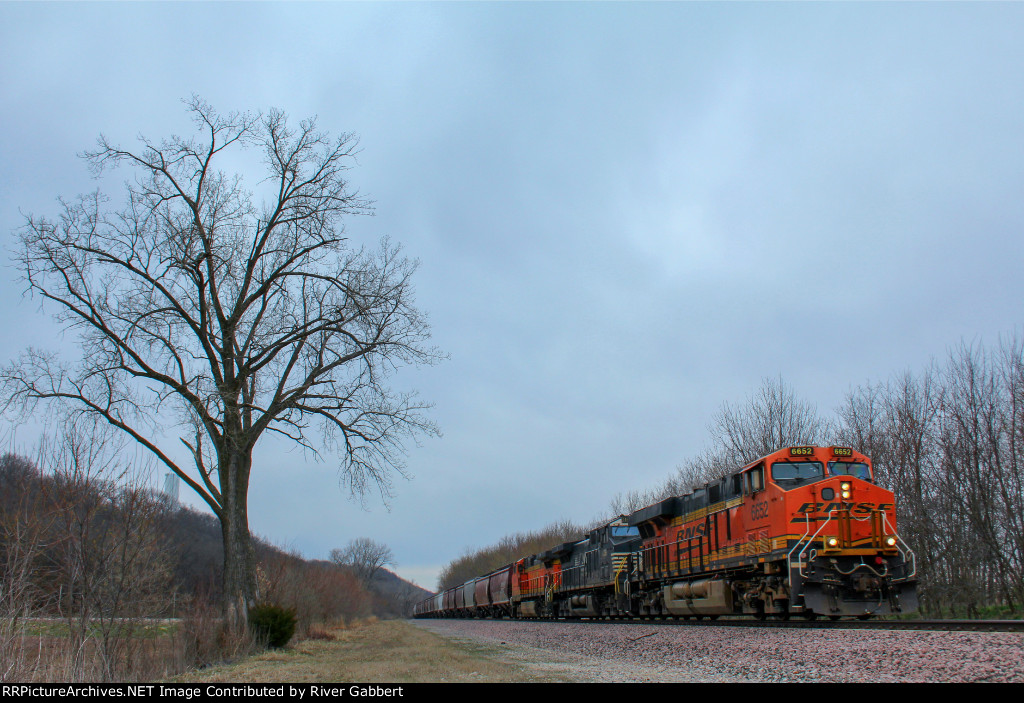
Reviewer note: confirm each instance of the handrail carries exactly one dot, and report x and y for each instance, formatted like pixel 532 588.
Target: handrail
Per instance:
pixel 789 555
pixel 615 576
pixel 807 540
pixel 810 541
pixel 906 551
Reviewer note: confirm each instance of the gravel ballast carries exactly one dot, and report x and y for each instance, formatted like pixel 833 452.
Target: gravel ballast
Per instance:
pixel 620 652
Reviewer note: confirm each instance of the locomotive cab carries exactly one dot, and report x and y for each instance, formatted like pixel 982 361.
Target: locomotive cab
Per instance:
pixel 808 533
pixel 844 556
pixel 608 550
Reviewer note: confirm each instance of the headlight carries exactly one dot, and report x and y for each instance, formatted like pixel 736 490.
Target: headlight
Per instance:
pixel 891 541
pixel 846 494
pixel 832 542
pixel 845 486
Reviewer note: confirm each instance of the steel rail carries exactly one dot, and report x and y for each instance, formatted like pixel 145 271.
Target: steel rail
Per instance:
pixel 795 622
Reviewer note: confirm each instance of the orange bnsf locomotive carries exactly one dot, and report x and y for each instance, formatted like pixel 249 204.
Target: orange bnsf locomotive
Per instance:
pixel 802 531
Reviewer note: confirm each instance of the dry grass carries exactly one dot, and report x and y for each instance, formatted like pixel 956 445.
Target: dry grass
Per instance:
pixel 389 651
pixel 48 658
pixel 319 632
pixel 56 650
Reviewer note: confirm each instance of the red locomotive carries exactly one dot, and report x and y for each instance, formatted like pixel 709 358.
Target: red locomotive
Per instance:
pixel 803 531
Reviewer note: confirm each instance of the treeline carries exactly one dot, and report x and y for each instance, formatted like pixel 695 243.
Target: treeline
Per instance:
pixel 91 560
pixel 948 440
pixel 507 550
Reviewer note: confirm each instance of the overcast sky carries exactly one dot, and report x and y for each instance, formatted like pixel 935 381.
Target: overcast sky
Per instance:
pixel 626 214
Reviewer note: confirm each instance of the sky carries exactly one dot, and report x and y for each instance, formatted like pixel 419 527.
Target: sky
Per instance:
pixel 626 214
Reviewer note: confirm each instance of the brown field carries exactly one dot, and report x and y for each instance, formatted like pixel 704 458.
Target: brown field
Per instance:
pixel 54 658
pixel 387 651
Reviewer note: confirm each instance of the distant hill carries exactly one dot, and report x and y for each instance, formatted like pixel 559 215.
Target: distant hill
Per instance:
pixel 393 588
pixel 197 541
pixel 189 544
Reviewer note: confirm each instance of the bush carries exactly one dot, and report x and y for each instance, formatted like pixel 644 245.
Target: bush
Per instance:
pixel 272 623
pixel 319 592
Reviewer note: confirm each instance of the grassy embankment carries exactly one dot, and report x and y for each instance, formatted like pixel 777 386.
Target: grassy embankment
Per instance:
pixel 381 651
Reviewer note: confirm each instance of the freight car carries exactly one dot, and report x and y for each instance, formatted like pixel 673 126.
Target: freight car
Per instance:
pixel 803 531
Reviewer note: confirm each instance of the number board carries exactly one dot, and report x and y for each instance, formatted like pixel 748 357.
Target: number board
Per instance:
pixel 842 451
pixel 801 451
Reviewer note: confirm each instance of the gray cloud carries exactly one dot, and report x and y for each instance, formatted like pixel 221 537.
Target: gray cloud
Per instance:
pixel 626 213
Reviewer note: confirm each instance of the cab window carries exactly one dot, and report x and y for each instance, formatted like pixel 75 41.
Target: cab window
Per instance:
pixel 789 474
pixel 857 469
pixel 754 480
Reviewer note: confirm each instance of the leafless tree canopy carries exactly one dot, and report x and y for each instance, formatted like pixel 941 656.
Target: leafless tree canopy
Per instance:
pixel 948 441
pixel 80 542
pixel 772 419
pixel 477 562
pixel 365 556
pixel 198 306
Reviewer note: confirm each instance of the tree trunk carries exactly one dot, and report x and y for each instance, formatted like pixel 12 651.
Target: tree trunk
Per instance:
pixel 239 556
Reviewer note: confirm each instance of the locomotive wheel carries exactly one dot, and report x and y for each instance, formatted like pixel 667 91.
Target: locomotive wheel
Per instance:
pixel 759 613
pixel 783 609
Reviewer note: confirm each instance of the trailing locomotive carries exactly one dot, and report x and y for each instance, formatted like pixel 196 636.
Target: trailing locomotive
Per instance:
pixel 803 531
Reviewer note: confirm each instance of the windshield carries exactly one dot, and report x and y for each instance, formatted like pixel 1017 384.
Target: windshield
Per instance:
pixel 790 474
pixel 625 532
pixel 856 469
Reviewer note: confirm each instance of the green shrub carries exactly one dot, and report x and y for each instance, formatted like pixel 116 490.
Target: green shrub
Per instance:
pixel 273 624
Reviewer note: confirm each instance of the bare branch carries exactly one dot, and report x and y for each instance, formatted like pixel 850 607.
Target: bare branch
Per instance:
pixel 207 316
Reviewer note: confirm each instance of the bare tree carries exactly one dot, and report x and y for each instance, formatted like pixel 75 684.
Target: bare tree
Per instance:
pixel 981 469
pixel 947 442
pixel 111 566
pixel 406 597
pixel 709 465
pixel 25 525
pixel 365 557
pixel 475 562
pixel 772 419
pixel 861 423
pixel 626 502
pixel 209 318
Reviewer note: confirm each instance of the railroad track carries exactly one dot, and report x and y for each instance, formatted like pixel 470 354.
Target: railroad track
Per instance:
pixel 934 625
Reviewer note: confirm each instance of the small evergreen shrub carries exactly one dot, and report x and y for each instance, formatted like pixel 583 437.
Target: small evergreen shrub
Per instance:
pixel 273 624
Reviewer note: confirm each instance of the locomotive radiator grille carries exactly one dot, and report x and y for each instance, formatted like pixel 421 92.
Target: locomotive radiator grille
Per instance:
pixel 619 560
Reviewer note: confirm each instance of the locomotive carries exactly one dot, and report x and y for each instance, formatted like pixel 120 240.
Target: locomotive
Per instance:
pixel 803 531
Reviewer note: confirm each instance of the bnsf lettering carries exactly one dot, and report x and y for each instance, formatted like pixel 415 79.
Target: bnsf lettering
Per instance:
pixel 691 532
pixel 858 508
